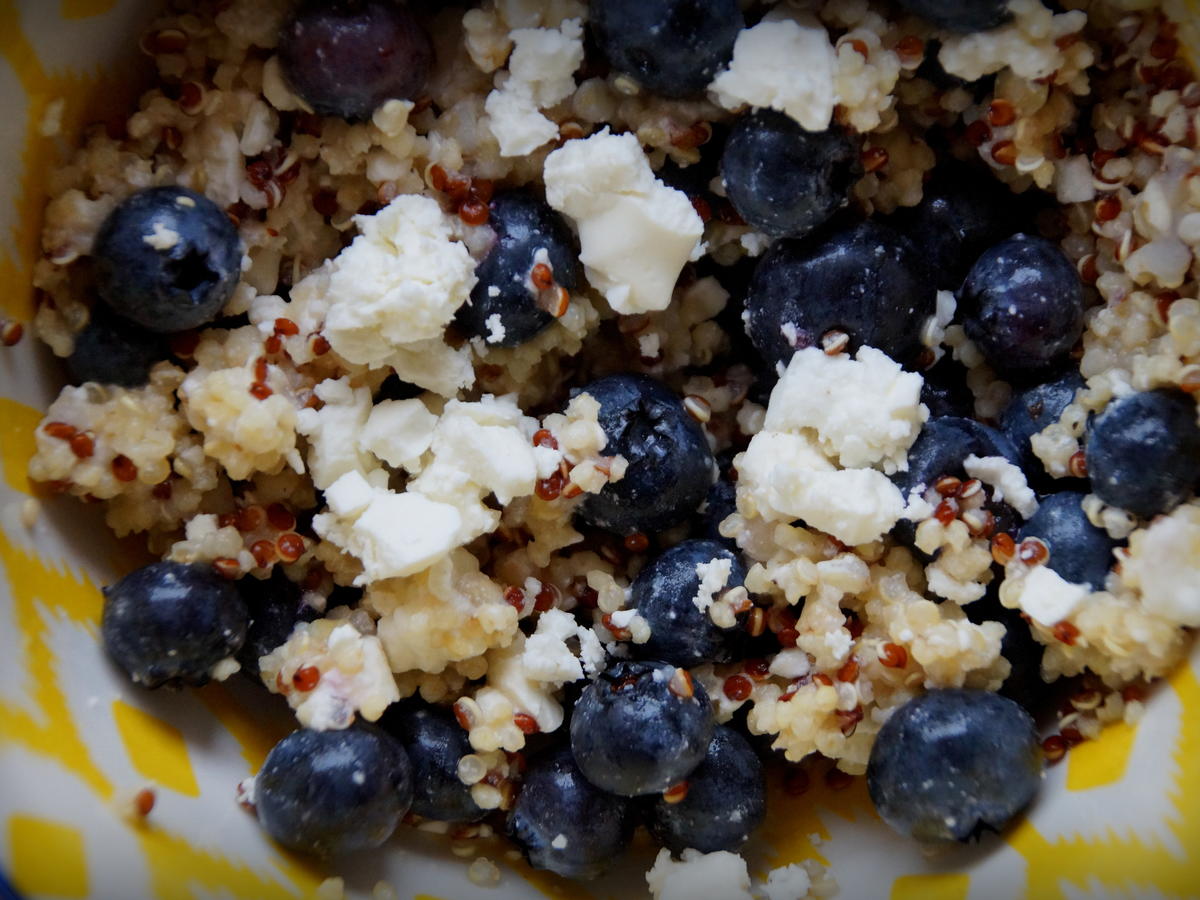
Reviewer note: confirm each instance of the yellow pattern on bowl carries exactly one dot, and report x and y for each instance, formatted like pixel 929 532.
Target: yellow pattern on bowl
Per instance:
pixel 1120 818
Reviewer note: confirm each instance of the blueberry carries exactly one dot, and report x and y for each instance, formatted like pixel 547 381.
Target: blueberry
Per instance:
pixel 963 212
pixel 564 823
pixel 347 57
pixel 275 606
pixel 640 728
pixel 943 446
pixel 945 390
pixel 1023 651
pixel 1079 551
pixel 1143 452
pixel 866 280
pixel 172 622
pixel 1033 409
pixel 670 47
pixel 784 180
pixel 670 463
pixel 332 792
pixel 664 593
pixel 1022 304
pixel 526 230
pixel 110 350
pixel 719 504
pixel 434 742
pixel 180 286
pixel 726 800
pixel 963 16
pixel 952 764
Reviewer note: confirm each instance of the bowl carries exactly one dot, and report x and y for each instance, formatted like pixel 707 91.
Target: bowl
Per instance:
pixel 79 745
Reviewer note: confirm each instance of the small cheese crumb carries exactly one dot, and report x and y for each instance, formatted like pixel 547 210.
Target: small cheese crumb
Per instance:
pixel 225 668
pixel 713 575
pixel 495 329
pixel 787 883
pixel 1164 563
pixel 784 64
pixel 1048 598
pixel 635 233
pixel 1006 480
pixel 721 874
pixel 162 237
pixel 560 842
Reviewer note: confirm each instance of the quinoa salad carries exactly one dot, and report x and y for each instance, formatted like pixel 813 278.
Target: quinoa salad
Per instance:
pixel 574 410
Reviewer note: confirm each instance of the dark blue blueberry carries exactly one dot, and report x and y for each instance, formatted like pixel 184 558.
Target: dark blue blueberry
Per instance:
pixel 963 212
pixel 670 47
pixel 640 728
pixel 945 390
pixel 726 800
pixel 110 350
pixel 1079 551
pixel 171 622
pixel 664 593
pixel 347 57
pixel 719 504
pixel 523 225
pixel 866 280
pixel 963 16
pixel 1023 651
pixel 944 445
pixel 435 742
pixel 332 792
pixel 1022 304
pixel 1033 409
pixel 942 448
pixel 670 463
pixel 564 823
pixel 784 180
pixel 187 282
pixel 952 764
pixel 275 606
pixel 1143 452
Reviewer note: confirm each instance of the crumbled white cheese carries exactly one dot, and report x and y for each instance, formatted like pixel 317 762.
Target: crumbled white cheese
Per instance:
pixel 785 64
pixel 721 874
pixel 1164 564
pixel 487 443
pixel 635 233
pixel 394 290
pixel 1048 598
pixel 861 411
pixel 790 663
pixel 495 329
pixel 547 656
pixel 345 411
pixel 540 72
pixel 162 237
pixel 398 432
pixel 349 495
pixel 713 575
pixel 560 842
pixel 394 534
pixel 786 477
pixel 1006 480
pixel 224 668
pixel 787 883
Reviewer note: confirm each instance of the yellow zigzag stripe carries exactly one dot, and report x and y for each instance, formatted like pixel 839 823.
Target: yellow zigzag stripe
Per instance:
pixel 1127 861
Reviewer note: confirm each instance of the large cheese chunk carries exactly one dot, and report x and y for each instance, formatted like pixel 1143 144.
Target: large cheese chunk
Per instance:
pixel 635 233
